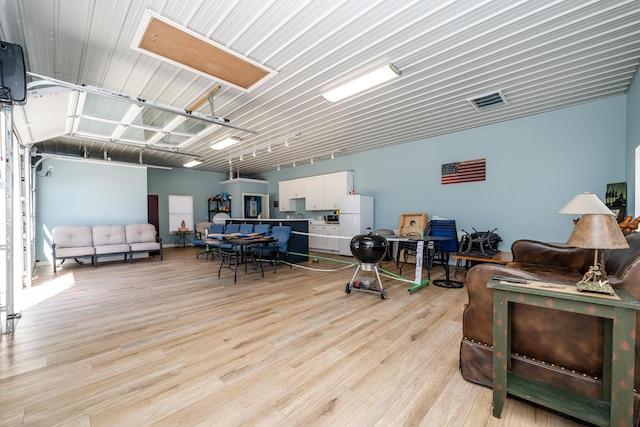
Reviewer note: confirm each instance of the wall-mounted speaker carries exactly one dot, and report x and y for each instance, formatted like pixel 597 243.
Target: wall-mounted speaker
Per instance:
pixel 13 79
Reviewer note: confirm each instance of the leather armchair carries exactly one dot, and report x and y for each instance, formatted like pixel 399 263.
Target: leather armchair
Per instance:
pixel 560 348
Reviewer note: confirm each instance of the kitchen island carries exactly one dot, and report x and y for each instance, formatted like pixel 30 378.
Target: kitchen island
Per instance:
pixel 298 243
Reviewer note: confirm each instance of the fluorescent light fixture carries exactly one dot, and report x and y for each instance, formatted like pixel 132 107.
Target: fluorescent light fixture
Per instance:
pixel 192 163
pixel 362 83
pixel 226 143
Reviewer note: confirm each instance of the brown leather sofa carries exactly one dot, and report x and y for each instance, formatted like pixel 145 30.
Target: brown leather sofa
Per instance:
pixel 560 348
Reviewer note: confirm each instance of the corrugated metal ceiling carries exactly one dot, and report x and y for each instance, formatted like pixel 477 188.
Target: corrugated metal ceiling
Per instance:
pixel 543 55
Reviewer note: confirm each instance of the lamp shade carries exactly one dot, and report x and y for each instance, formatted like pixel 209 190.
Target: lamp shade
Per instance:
pixel 597 231
pixel 585 203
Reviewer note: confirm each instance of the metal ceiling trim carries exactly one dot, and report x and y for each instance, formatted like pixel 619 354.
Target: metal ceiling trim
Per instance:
pixel 142 102
pixel 143 146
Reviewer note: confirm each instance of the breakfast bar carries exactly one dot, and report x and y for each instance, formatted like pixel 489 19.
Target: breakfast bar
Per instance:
pixel 298 243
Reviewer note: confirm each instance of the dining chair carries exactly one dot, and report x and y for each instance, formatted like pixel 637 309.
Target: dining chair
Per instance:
pixel 263 229
pixel 278 252
pixel 246 229
pixel 443 249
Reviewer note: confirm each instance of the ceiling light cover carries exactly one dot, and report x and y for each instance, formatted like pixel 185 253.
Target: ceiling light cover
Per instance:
pixel 228 142
pixel 192 163
pixel 374 78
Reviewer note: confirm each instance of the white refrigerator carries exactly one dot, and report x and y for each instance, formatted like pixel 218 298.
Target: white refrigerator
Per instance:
pixel 356 217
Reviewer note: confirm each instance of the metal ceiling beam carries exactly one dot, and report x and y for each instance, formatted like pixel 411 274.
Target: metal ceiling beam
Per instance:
pixel 132 144
pixel 142 102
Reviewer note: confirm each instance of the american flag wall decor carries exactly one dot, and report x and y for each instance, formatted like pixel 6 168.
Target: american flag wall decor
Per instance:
pixel 467 171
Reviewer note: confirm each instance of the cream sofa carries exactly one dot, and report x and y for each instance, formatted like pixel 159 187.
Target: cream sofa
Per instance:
pixel 72 242
pixel 109 240
pixel 143 238
pixel 81 242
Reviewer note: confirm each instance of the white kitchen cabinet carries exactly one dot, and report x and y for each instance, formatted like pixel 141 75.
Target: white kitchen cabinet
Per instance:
pixel 321 192
pixel 298 188
pixel 319 243
pixel 336 186
pixel 315 193
pixel 284 202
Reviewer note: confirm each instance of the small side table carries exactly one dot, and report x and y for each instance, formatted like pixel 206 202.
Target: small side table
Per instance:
pixel 616 408
pixel 183 238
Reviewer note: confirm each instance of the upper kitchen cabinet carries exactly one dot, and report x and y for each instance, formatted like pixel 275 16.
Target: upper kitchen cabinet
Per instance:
pixel 336 186
pixel 321 193
pixel 289 190
pixel 324 192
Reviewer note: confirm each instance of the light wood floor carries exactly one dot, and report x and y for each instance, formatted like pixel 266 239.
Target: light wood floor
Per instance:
pixel 168 343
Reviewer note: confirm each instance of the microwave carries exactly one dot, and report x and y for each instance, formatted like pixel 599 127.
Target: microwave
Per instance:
pixel 332 219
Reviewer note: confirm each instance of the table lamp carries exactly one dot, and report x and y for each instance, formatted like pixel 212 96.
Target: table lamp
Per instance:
pixel 596 229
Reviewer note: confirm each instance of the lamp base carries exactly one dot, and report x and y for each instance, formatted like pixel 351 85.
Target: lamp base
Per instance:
pixel 602 287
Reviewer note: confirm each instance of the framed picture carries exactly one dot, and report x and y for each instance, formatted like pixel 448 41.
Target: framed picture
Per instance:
pixel 616 199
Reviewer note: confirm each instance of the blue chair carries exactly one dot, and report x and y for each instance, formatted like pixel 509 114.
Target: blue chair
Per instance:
pixel 216 228
pixel 231 228
pixel 256 250
pixel 442 249
pixel 278 251
pixel 230 255
pixel 202 244
pixel 263 229
pixel 246 228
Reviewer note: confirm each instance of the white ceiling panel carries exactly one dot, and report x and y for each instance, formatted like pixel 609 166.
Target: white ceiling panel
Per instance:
pixel 542 54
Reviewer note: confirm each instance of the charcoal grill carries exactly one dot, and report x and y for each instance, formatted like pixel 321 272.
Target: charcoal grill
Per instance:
pixel 368 250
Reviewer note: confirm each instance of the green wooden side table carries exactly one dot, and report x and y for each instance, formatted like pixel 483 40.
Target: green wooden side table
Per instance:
pixel 616 406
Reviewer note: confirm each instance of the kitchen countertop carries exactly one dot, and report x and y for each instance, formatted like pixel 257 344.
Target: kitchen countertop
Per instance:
pixel 272 219
pixel 321 222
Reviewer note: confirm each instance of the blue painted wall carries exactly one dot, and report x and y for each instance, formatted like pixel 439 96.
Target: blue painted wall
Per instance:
pixel 633 141
pixel 236 188
pixel 87 193
pixel 535 165
pixel 201 185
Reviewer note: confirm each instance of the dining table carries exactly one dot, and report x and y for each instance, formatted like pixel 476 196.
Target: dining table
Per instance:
pixel 240 245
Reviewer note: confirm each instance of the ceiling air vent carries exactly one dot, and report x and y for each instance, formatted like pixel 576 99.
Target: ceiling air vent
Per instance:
pixel 488 101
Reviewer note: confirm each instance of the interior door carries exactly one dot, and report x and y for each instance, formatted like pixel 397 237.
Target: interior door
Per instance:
pixel 153 217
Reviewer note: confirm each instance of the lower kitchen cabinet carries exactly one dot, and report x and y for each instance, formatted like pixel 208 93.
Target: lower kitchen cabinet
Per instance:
pixel 319 243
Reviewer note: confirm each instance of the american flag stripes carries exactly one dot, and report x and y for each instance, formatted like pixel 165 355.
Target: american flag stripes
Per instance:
pixel 467 171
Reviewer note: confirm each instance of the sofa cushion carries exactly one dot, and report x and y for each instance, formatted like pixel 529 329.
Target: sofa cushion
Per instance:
pixel 139 233
pixel 110 239
pixel 142 237
pixel 109 235
pixel 72 241
pixel 80 251
pixel 112 249
pixel 144 246
pixel 618 261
